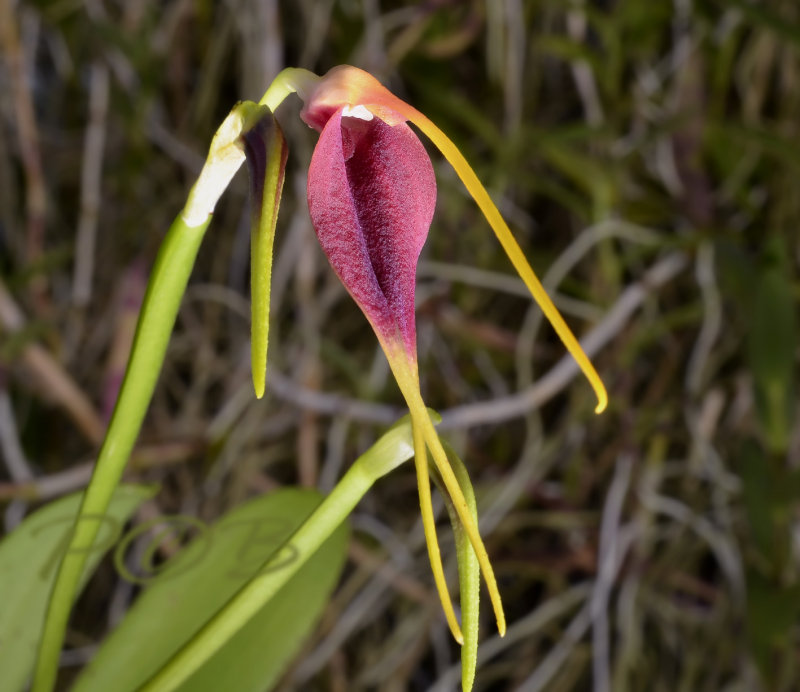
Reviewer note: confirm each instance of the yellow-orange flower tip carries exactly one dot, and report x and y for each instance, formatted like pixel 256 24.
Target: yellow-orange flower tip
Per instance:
pixel 602 401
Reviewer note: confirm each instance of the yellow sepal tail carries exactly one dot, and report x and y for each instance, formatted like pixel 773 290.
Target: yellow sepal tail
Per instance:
pixel 425 434
pixel 509 243
pixel 431 539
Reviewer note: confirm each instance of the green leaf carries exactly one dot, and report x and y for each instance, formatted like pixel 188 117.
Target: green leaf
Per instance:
pixel 593 176
pixel 567 50
pixel 784 26
pixel 756 474
pixel 203 577
pixel 772 612
pixel 304 543
pixel 772 343
pixel 28 560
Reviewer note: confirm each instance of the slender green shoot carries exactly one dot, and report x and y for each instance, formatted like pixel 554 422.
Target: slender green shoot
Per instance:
pixel 159 310
pixel 469 574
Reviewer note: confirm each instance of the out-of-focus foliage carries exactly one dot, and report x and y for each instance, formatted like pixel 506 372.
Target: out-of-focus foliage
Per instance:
pixel 647 152
pixel 213 567
pixel 28 561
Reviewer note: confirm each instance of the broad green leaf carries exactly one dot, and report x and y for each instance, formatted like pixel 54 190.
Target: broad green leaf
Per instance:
pixel 28 560
pixel 268 580
pixel 200 581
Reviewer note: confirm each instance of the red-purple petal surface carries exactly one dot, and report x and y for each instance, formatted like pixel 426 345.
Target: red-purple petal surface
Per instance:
pixel 371 195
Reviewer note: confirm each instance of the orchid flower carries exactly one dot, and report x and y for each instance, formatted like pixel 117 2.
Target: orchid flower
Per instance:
pixel 371 194
pixel 371 197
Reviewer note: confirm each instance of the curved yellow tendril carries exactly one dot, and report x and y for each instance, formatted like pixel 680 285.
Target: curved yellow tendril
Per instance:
pixel 431 539
pixel 509 243
pixel 423 428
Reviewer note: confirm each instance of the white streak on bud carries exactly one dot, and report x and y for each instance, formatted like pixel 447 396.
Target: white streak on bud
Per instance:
pixel 225 157
pixel 360 112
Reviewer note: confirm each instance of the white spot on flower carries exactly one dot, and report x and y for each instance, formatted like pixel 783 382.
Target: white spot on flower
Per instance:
pixel 360 112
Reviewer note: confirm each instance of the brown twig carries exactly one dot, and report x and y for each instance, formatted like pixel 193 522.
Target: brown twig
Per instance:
pixel 91 184
pixel 54 382
pixel 498 410
pixel 75 478
pixel 27 132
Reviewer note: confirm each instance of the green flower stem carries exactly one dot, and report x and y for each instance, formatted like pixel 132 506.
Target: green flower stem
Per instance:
pixel 388 452
pixel 159 310
pixel 157 318
pixel 288 81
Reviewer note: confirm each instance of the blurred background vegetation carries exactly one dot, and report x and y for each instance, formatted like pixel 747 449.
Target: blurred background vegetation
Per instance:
pixel 646 154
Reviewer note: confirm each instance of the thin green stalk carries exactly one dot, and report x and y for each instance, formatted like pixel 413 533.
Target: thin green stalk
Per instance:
pixel 159 310
pixel 157 318
pixel 288 81
pixel 392 449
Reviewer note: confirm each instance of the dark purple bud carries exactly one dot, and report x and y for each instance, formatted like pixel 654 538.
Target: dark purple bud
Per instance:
pixel 371 195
